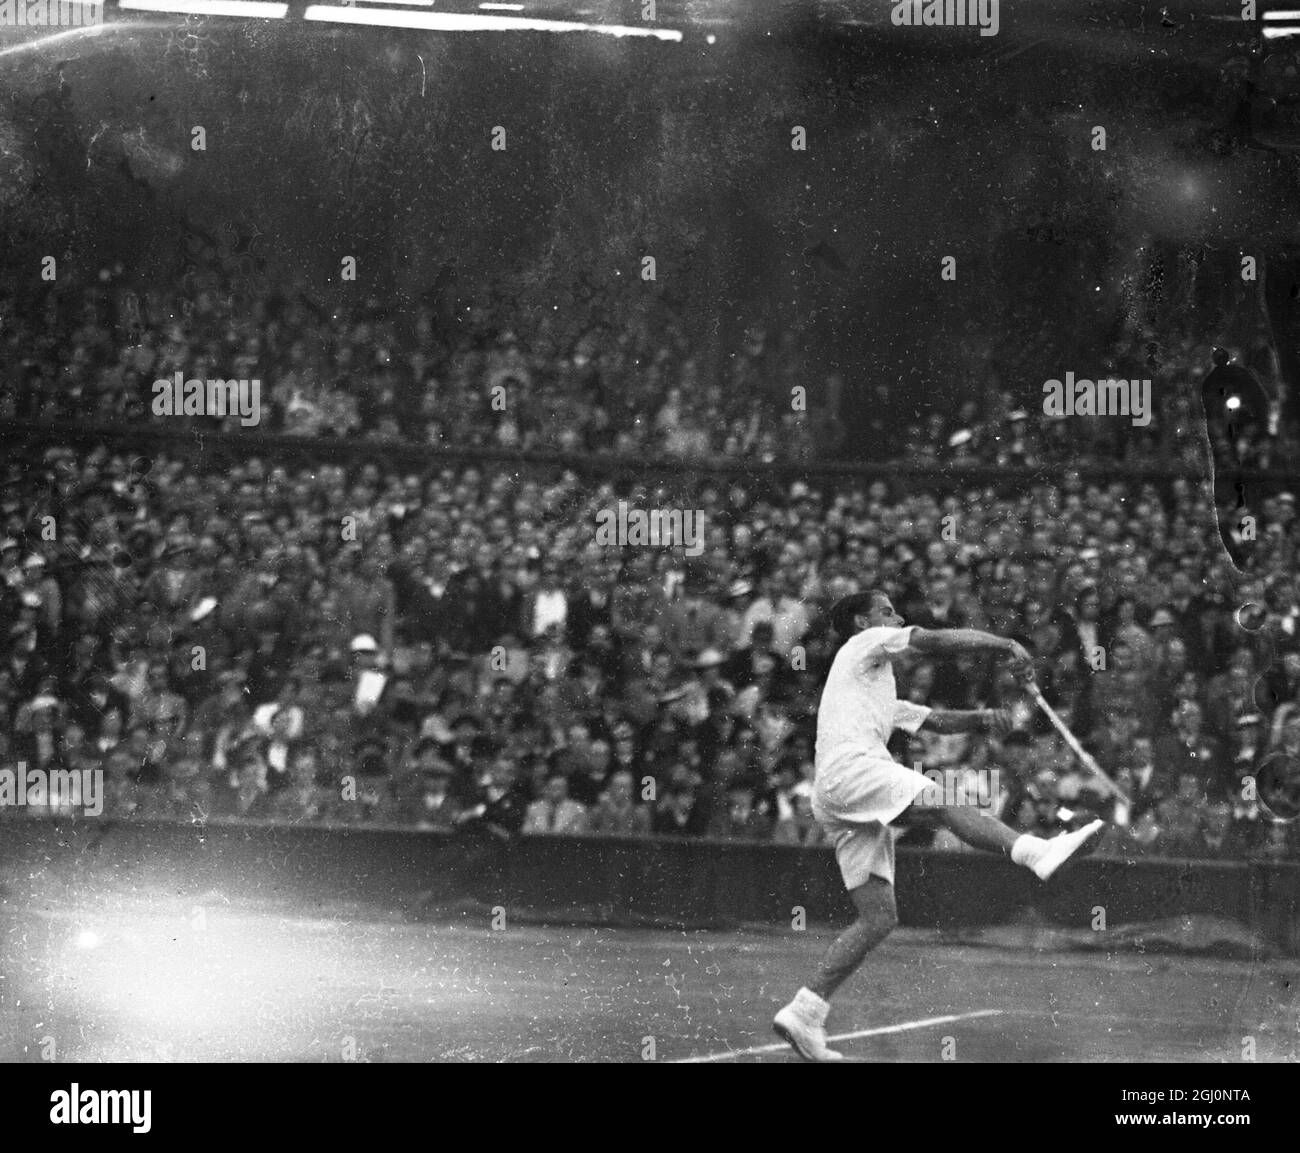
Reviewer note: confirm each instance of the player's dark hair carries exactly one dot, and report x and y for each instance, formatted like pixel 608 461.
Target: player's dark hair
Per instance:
pixel 846 608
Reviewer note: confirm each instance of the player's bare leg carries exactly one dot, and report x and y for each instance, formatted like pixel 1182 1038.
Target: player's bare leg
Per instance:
pixel 877 918
pixel 802 1023
pixel 976 830
pixel 1043 855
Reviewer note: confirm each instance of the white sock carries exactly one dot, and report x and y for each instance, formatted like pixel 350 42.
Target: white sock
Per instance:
pixel 1026 849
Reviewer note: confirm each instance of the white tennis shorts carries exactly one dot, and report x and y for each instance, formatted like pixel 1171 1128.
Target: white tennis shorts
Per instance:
pixel 854 801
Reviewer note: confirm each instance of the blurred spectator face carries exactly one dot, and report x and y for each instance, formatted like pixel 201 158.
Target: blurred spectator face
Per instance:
pixel 1146 830
pixel 746 741
pixel 802 801
pixel 621 788
pixel 502 773
pixel 1141 752
pixel 1187 718
pixel 740 805
pixel 922 680
pixel 680 776
pixel 1188 688
pixel 304 766
pixel 1248 739
pixel 600 755
pixel 249 771
pixel 728 765
pixel 1047 637
pixel 557 789
pixel 683 799
pixel 1175 656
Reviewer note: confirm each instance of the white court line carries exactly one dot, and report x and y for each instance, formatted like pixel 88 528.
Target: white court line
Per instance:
pixel 264 9
pixel 903 1028
pixel 457 21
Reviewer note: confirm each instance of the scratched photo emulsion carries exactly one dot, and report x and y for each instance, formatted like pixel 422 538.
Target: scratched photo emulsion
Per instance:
pixel 650 531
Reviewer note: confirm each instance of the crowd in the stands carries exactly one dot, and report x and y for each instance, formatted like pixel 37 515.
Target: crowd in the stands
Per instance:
pixel 314 642
pixel 610 372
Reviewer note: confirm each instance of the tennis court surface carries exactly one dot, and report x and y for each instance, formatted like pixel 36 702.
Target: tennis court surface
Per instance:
pixel 149 976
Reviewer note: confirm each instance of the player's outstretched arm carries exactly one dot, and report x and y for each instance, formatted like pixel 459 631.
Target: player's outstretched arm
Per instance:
pixel 997 721
pixel 954 642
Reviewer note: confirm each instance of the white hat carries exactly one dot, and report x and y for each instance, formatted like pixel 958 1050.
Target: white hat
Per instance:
pixel 364 643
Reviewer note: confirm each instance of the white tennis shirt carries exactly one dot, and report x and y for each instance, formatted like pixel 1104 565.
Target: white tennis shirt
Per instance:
pixel 859 708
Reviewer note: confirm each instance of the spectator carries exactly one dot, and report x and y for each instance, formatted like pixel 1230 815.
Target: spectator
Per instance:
pixel 555 812
pixel 617 812
pixel 795 823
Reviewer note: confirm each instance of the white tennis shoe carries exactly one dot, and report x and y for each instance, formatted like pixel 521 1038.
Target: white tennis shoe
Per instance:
pixel 802 1026
pixel 1045 857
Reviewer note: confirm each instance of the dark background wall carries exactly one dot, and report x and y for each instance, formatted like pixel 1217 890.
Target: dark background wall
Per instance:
pixel 674 881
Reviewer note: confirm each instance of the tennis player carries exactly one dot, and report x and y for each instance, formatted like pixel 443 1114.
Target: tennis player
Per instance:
pixel 859 789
